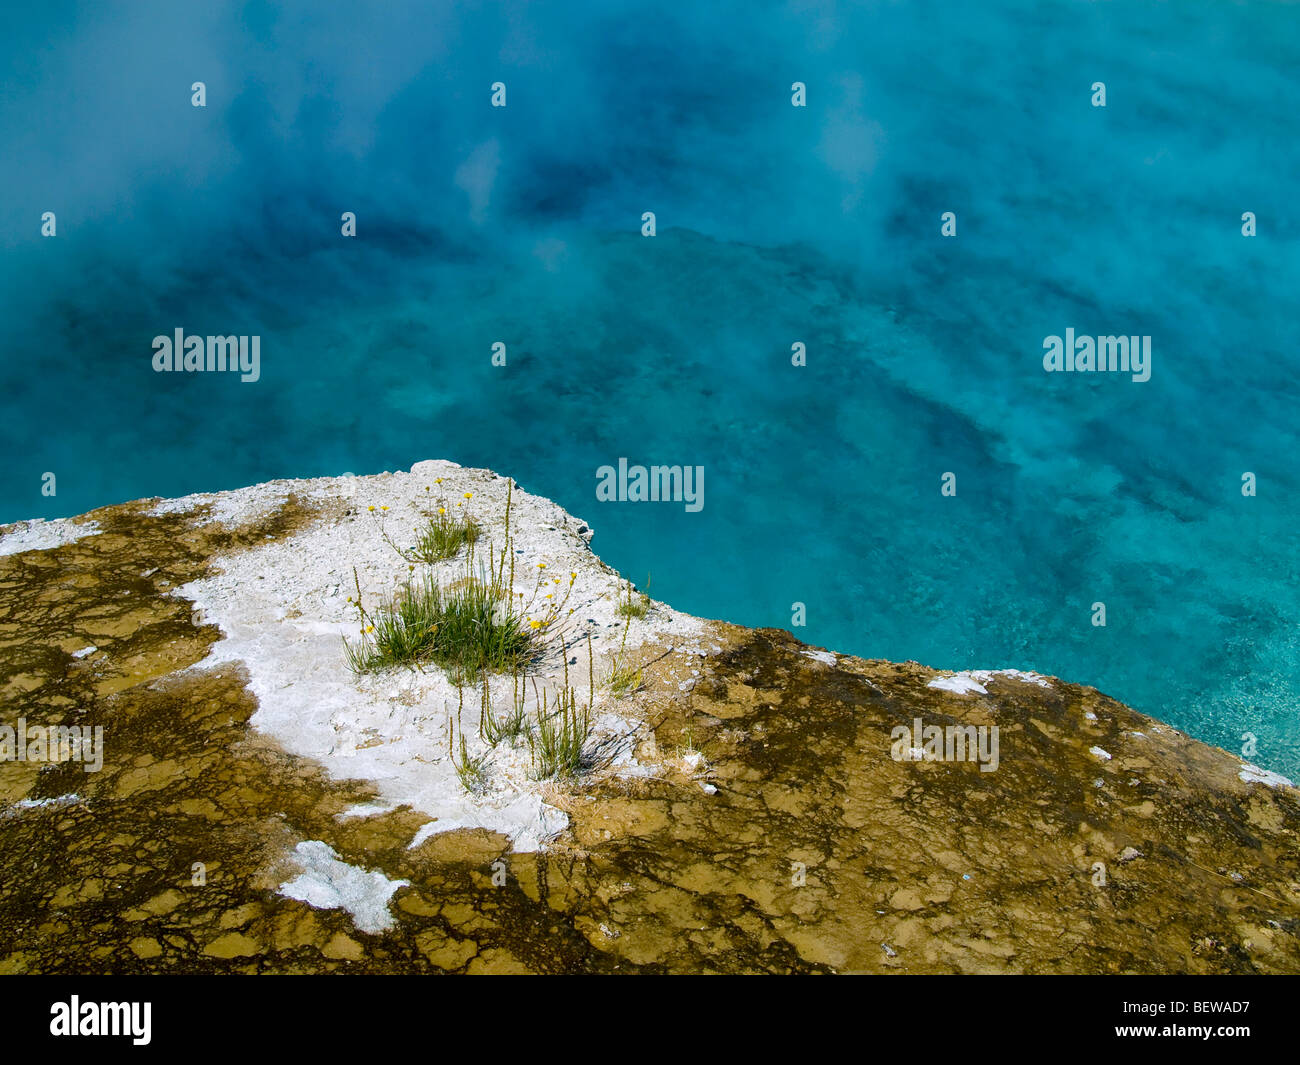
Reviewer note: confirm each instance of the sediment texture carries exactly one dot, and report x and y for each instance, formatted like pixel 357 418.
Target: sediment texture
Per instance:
pixel 754 819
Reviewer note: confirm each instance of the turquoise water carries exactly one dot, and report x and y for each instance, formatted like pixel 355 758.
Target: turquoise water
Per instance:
pixel 776 224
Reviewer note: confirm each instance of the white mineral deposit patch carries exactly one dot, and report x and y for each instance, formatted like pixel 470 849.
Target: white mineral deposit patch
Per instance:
pixel 283 609
pixel 1253 774
pixel 42 535
pixel 974 680
pixel 328 883
pixel 959 683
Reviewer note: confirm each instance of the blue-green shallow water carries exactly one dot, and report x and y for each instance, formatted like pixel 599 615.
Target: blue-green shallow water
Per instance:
pixel 776 225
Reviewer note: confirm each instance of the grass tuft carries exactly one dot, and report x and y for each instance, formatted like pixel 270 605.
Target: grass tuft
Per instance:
pixel 560 737
pixel 443 536
pixel 508 726
pixel 623 676
pixel 634 604
pixel 467 628
pixel 471 769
